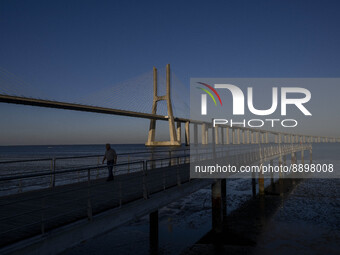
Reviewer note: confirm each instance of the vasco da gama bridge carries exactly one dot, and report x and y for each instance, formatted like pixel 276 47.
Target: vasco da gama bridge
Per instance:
pixel 60 203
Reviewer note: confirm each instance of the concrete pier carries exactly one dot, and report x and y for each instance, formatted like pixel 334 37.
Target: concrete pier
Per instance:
pixel 310 156
pixel 204 134
pixel 216 135
pixel 227 135
pixel 216 204
pixel 261 181
pixel 195 134
pixel 187 133
pixel 233 135
pixel 153 232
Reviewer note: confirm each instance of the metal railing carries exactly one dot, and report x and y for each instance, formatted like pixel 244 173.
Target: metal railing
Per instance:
pixel 51 208
pixel 49 167
pixel 37 212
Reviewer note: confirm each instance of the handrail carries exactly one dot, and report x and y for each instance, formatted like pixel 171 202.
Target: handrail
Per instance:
pixel 87 156
pixel 64 171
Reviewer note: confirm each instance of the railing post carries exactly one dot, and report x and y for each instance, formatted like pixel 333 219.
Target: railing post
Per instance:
pixel 120 194
pixel 145 191
pixel 54 168
pixel 163 180
pixel 178 173
pixel 261 175
pixel 51 168
pixel 43 215
pixel 272 174
pixel 170 159
pixel 89 205
pixel 128 163
pixel 98 163
pixel 20 186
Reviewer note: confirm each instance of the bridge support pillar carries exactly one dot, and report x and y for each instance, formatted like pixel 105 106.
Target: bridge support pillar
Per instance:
pixel 204 134
pixel 216 134
pixel 179 131
pixel 284 160
pixel 227 135
pixel 222 136
pixel 294 161
pixel 310 156
pixel 253 184
pixel 195 134
pixel 152 129
pixel 216 204
pixel 187 133
pixel 271 174
pixel 280 176
pixel 233 135
pixel 302 156
pixel 153 232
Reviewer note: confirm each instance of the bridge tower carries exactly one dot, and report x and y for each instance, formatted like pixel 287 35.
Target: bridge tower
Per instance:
pixel 152 129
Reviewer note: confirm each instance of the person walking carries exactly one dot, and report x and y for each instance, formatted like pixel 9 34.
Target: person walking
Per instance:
pixel 111 159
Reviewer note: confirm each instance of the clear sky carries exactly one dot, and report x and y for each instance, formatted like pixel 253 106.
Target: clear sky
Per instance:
pixel 70 48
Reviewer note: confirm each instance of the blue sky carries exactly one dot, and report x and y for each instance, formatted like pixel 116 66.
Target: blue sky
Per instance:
pixel 66 49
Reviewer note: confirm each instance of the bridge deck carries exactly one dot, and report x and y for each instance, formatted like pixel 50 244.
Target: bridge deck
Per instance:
pixel 35 212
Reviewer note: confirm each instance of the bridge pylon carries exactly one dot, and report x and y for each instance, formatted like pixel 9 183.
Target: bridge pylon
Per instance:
pixel 152 129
